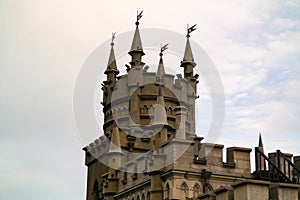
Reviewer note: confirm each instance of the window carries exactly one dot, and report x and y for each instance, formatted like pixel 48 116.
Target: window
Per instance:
pixel 196 190
pixel 148 195
pixel 167 194
pixel 185 189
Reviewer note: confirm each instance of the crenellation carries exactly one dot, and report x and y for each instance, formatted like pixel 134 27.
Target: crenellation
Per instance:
pixel 150 149
pixel 278 160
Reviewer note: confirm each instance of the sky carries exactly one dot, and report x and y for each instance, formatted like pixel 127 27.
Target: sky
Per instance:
pixel 44 44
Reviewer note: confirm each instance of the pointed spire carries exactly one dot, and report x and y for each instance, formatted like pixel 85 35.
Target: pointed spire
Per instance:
pixel 188 54
pixel 260 143
pixel 115 144
pixel 261 162
pixel 112 65
pixel 161 69
pixel 136 43
pixel 160 116
pixel 136 46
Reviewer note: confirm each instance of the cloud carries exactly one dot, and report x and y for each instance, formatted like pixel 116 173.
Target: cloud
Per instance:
pixel 254 45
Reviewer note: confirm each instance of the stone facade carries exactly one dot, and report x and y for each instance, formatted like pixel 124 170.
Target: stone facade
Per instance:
pixel 150 149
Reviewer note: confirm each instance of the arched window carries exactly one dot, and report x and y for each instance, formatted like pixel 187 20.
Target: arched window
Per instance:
pixel 148 195
pixel 145 109
pixel 185 189
pixel 196 190
pixel 167 192
pixel 143 197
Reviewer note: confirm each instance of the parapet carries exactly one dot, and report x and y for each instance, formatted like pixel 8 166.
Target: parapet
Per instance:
pixel 96 149
pixel 238 157
pixel 210 156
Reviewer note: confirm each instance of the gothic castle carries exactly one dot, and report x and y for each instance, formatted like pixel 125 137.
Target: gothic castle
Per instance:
pixel 150 149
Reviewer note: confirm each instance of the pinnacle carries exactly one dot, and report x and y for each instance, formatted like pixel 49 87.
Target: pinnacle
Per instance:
pixel 188 54
pixel 115 145
pixel 112 64
pixel 136 43
pixel 260 143
pixel 160 70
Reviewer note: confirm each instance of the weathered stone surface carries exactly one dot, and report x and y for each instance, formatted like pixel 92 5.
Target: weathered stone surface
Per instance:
pixel 251 189
pixel 283 191
pixel 158 153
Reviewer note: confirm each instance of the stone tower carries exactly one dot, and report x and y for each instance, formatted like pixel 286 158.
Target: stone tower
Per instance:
pixel 150 149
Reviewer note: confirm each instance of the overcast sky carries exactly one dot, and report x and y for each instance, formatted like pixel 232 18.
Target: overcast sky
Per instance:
pixel 253 44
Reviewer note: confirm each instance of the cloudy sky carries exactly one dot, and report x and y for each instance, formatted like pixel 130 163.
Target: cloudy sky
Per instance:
pixel 253 44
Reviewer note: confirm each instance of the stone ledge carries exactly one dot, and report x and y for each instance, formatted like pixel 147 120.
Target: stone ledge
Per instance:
pixel 250 182
pixel 229 164
pixel 285 185
pixel 242 149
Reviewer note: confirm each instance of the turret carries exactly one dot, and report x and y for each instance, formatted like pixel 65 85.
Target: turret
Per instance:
pixel 160 121
pixel 111 73
pixel 160 129
pixel 111 69
pixel 188 62
pixel 160 74
pixel 114 155
pixel 135 76
pixel 136 51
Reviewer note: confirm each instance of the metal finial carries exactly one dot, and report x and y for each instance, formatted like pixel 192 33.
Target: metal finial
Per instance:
pixel 191 29
pixel 163 48
pixel 138 17
pixel 113 36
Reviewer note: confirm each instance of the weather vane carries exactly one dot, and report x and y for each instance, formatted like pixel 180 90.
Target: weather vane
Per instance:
pixel 113 36
pixel 163 48
pixel 138 17
pixel 190 29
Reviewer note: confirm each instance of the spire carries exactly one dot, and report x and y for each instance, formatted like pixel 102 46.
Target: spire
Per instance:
pixel 261 162
pixel 160 116
pixel 115 145
pixel 136 46
pixel 161 69
pixel 260 143
pixel 188 54
pixel 112 65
